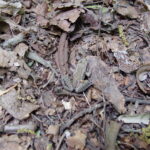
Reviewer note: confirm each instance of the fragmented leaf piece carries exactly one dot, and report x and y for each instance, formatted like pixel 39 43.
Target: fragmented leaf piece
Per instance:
pixel 69 4
pixel 7 58
pixel 127 63
pixel 21 49
pixel 145 26
pixel 91 18
pixel 19 110
pixel 53 129
pixel 6 91
pixel 77 141
pixel 42 143
pixel 140 118
pixel 64 20
pixel 112 130
pixel 142 85
pixel 103 80
pixel 125 9
pixel 11 8
pixel 11 142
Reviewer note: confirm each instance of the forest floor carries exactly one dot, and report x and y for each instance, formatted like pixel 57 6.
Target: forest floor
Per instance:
pixel 74 75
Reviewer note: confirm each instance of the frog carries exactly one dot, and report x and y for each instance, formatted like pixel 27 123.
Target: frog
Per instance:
pixel 79 84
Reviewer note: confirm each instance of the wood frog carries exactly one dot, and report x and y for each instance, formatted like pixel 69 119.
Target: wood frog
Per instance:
pixel 79 83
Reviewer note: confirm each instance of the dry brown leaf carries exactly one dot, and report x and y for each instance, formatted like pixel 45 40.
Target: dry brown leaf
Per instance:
pixel 7 58
pixel 10 142
pixel 124 9
pixel 95 94
pixel 145 26
pixel 21 49
pixel 127 63
pixel 64 20
pixel 19 110
pixel 91 18
pixel 41 9
pixel 53 129
pixel 103 80
pixel 6 91
pixel 112 130
pixel 77 141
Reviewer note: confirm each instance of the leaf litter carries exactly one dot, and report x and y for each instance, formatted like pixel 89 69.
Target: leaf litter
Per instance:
pixel 68 69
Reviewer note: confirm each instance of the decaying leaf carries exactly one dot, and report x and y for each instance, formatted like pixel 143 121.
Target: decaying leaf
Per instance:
pixel 7 58
pixel 143 71
pixel 6 91
pixel 10 142
pixel 11 8
pixel 127 63
pixel 75 3
pixel 53 129
pixel 112 130
pixel 77 141
pixel 90 18
pixel 145 26
pixel 21 49
pixel 19 110
pixel 102 79
pixel 123 8
pixel 14 61
pixel 41 9
pixel 140 118
pixel 64 20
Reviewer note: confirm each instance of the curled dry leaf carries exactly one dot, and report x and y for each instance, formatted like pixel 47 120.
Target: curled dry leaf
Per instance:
pixel 123 8
pixel 19 110
pixel 64 20
pixel 103 80
pixel 77 141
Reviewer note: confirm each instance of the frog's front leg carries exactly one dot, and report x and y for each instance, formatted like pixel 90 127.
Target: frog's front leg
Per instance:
pixel 82 86
pixel 66 82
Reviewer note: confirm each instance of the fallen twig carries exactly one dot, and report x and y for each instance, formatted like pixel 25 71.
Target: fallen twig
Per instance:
pixel 80 114
pixel 61 140
pixel 16 128
pixel 135 100
pixel 14 41
pixel 34 56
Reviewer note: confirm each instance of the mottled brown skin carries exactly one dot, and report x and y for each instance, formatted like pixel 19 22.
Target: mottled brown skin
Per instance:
pixel 144 68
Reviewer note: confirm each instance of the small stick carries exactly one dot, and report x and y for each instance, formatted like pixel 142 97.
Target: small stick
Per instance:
pixel 61 140
pixel 80 114
pixel 140 101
